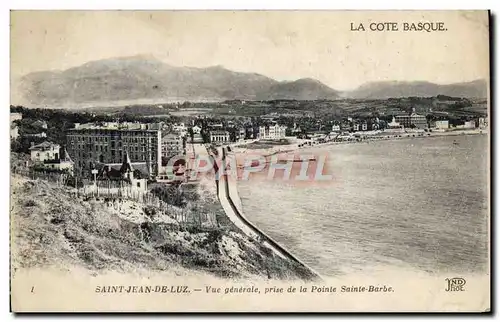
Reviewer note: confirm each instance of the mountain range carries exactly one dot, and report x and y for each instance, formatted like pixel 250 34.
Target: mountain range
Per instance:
pixel 139 78
pixel 388 89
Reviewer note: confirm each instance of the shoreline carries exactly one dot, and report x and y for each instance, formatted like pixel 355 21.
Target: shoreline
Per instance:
pixel 394 137
pixel 229 193
pixel 294 147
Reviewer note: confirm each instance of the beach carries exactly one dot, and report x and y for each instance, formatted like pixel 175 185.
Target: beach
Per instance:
pixel 296 144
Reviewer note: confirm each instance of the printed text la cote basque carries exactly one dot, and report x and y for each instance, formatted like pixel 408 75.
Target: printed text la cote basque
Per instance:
pixel 388 26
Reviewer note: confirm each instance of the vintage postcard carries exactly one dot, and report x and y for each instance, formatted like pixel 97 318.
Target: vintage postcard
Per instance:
pixel 250 161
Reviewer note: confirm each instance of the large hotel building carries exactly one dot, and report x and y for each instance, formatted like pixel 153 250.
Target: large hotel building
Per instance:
pixel 89 144
pixel 412 119
pixel 272 132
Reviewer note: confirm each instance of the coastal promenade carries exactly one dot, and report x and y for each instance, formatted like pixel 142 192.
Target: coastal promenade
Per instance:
pixel 200 150
pixel 231 203
pixel 228 196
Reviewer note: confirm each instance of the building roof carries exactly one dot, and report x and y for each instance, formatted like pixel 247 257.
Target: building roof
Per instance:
pixel 115 170
pixel 67 158
pixel 272 124
pixel 118 170
pixel 41 122
pixel 219 132
pixel 45 146
pixel 116 126
pixel 16 116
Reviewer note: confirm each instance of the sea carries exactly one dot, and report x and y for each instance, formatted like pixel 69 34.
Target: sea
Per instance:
pixel 416 204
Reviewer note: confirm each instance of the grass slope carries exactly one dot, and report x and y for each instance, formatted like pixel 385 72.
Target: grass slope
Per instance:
pixel 52 228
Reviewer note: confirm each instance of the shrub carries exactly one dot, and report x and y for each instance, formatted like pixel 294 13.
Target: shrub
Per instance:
pixel 30 203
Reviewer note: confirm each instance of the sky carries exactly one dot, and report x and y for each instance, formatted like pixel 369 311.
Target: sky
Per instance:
pixel 284 45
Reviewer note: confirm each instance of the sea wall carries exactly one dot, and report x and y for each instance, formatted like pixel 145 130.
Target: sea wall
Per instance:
pixel 231 196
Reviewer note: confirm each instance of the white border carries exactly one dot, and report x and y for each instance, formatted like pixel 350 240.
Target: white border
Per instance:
pixel 249 4
pixel 193 5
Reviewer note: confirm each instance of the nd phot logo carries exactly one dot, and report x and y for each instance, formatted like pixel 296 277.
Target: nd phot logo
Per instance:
pixel 455 284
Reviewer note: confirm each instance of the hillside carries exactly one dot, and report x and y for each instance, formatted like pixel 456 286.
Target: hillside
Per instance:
pixel 136 78
pixel 144 78
pixel 395 89
pixel 52 228
pixel 302 89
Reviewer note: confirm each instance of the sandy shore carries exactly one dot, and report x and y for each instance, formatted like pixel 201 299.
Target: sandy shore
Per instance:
pixel 299 144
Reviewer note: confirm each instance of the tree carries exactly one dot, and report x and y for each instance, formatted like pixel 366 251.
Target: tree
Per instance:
pixel 205 136
pixel 232 135
pixel 171 194
pixel 191 133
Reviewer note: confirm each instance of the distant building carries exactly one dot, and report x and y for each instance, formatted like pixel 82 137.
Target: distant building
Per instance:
pixel 272 132
pixel 483 122
pixel 240 134
pixel 346 126
pixel 15 117
pixel 63 164
pixel 45 151
pixel 219 136
pixel 443 125
pixel 412 120
pixel 467 125
pixel 394 126
pixel 216 125
pixel 362 126
pixel 296 129
pixel 40 124
pixel 180 128
pixel 172 144
pixel 120 179
pixel 14 131
pixel 374 126
pixel 270 116
pixel 197 138
pixel 196 129
pixel 108 143
pixel 251 132
pixel 336 128
pixel 36 135
pixel 470 124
